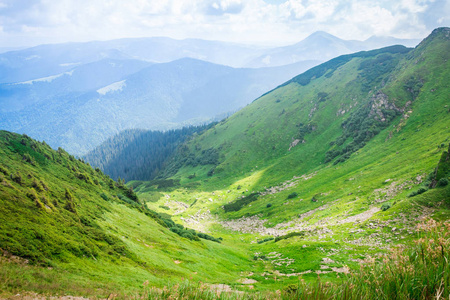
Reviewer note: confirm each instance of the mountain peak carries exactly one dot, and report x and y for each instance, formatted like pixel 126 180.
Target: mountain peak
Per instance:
pixel 441 31
pixel 439 34
pixel 322 35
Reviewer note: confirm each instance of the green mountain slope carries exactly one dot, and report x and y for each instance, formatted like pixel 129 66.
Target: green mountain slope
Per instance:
pixel 328 113
pixel 328 171
pixel 60 216
pixel 334 167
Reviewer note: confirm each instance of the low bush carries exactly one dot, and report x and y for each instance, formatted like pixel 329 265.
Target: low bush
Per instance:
pixel 17 177
pixel 292 195
pixel 29 159
pixel 239 203
pixel 421 190
pixel 442 182
pixel 32 194
pixel 104 196
pixel 386 206
pixel 265 240
pixel 289 235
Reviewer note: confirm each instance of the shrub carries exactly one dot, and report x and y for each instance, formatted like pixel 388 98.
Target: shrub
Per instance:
pixel 84 176
pixel 29 159
pixel 208 237
pixel 385 206
pixel 17 178
pixel 70 205
pixel 421 190
pixel 104 196
pixel 165 183
pixel 443 182
pixel 265 240
pixel 44 185
pixel 292 195
pixel 39 204
pixel 289 235
pixel 238 204
pixel 262 257
pixel 37 186
pixel 32 194
pixel 211 171
pixel 131 194
pixel 269 205
pixel 3 170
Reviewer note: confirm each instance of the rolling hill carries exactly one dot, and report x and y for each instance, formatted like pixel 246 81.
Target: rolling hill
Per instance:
pixel 68 228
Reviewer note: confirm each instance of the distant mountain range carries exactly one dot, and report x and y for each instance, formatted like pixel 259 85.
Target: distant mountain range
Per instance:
pixel 323 46
pixel 80 108
pixel 76 95
pixel 46 60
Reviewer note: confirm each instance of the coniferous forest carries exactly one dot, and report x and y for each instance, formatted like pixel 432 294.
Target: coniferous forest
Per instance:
pixel 139 154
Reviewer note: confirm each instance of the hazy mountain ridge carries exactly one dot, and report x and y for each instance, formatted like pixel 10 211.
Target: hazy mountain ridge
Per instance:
pixel 79 110
pixel 324 46
pixel 47 60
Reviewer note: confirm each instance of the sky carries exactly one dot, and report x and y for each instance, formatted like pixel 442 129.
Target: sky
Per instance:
pixel 265 22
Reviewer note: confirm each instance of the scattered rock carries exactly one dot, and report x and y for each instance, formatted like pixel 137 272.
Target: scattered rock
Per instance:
pixel 247 281
pixel 293 144
pixel 343 269
pixel 327 260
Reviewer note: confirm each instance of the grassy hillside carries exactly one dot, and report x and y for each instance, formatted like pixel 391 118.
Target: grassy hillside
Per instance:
pixel 327 114
pixel 333 170
pixel 60 216
pixel 334 167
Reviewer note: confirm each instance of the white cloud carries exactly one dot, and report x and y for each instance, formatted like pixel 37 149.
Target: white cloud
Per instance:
pixel 277 21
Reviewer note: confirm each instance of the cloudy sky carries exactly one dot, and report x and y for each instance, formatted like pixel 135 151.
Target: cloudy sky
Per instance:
pixel 276 22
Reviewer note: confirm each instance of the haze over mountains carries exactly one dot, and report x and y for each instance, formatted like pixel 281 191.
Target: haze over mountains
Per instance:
pixel 77 95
